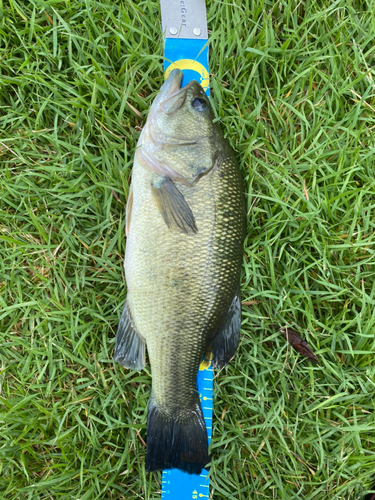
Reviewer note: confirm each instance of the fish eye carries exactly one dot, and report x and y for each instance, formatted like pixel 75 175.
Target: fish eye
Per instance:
pixel 199 104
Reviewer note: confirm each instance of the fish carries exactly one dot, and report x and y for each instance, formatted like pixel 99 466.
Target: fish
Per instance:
pixel 185 228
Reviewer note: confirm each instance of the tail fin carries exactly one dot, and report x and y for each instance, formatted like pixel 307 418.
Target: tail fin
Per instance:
pixel 177 441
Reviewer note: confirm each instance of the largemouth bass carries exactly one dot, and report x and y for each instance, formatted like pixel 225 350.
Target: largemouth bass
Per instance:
pixel 185 230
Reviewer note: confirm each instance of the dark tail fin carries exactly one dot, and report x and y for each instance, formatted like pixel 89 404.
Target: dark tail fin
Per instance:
pixel 177 441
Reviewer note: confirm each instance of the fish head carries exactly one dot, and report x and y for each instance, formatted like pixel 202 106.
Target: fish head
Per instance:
pixel 181 134
pixel 182 114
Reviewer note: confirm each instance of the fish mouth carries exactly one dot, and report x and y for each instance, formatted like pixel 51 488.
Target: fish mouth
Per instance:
pixel 170 87
pixel 173 96
pixel 172 83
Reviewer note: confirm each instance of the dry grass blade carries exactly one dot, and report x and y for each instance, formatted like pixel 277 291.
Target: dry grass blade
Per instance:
pixel 299 344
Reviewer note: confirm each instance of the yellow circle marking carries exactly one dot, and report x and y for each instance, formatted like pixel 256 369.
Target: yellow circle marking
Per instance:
pixel 194 66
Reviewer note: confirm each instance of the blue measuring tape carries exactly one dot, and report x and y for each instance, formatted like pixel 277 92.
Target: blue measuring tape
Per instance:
pixel 186 48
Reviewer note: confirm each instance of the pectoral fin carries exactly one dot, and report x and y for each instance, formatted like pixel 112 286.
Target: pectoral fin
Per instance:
pixel 173 206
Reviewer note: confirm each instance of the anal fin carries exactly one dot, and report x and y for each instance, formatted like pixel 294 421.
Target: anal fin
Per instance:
pixel 130 346
pixel 223 346
pixel 173 206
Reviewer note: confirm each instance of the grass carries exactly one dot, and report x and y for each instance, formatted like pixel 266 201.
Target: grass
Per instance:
pixel 293 86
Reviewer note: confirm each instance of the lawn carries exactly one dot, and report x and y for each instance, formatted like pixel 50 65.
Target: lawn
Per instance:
pixel 293 87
